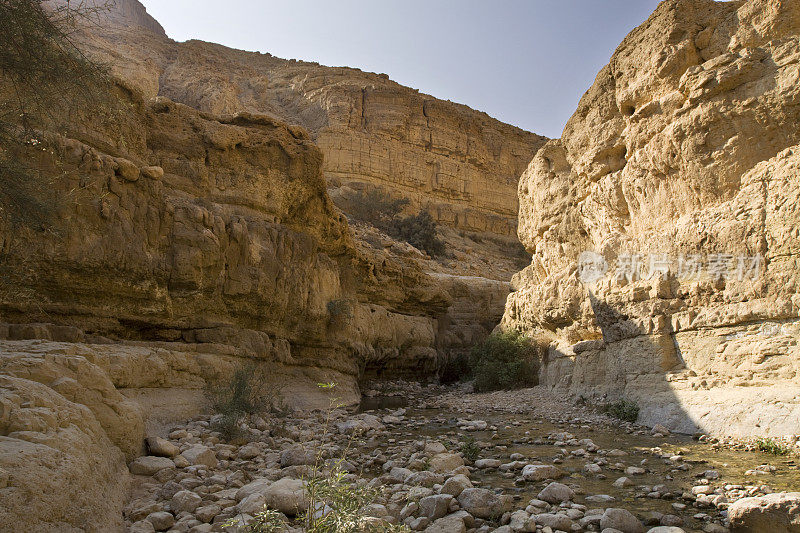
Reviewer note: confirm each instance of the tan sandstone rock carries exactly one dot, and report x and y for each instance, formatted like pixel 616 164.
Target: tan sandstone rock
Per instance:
pixel 685 145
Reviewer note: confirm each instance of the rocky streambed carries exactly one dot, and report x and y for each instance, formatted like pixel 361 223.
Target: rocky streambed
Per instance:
pixel 445 460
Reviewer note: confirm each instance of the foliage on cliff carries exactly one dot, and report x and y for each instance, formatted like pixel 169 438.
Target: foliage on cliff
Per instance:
pixel 46 82
pixel 379 208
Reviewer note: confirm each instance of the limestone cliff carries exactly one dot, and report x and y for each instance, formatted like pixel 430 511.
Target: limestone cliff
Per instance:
pixel 459 164
pixel 191 230
pixel 684 148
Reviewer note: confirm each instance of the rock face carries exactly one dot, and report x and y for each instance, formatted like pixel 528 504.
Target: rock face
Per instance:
pixel 683 151
pixel 192 232
pixel 459 164
pixel 59 460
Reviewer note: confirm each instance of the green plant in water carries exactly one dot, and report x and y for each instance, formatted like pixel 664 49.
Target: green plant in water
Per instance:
pixel 470 449
pixel 504 361
pixel 622 409
pixel 772 446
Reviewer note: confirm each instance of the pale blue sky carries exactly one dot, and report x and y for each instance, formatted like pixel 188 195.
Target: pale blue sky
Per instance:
pixel 525 62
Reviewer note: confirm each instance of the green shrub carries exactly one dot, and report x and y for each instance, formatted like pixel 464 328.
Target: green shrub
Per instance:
pixel 247 392
pixel 470 449
pixel 420 231
pixel 46 82
pixel 622 409
pixel 266 521
pixel 376 207
pixel 772 446
pixel 504 361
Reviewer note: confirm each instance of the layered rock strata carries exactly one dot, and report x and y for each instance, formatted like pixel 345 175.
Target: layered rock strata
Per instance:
pixel 459 164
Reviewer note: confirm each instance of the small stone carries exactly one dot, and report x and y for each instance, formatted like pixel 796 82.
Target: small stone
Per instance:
pixel 592 468
pixel 127 170
pixel 434 448
pixel 208 512
pixel 554 521
pixel 622 520
pixel 623 482
pixel 149 465
pixel 487 463
pixel 481 503
pixel 248 451
pixel 296 456
pixel 142 526
pixel 185 501
pixel 161 447
pixel 161 520
pixel 252 504
pixel 436 506
pixel 448 524
pixel 200 455
pixel 446 462
pixel 556 493
pixel 541 472
pixel 153 172
pixel 286 495
pixel 456 484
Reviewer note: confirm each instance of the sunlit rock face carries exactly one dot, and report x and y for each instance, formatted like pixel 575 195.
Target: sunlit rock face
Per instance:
pixel 457 163
pixel 685 149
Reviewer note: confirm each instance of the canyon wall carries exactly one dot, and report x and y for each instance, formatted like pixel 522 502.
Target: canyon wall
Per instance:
pixel 683 152
pixel 186 230
pixel 460 165
pixel 172 247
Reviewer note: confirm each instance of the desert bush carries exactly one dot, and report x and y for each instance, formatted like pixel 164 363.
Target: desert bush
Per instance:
pixel 339 311
pixel 376 207
pixel 247 392
pixel 469 449
pixel 420 231
pixel 772 446
pixel 45 82
pixel 622 409
pixel 504 361
pixel 455 368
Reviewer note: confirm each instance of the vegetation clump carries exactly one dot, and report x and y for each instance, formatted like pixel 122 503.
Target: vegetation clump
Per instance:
pixel 622 409
pixel 455 368
pixel 470 449
pixel 504 361
pixel 336 502
pixel 46 82
pixel 420 231
pixel 247 392
pixel 378 208
pixel 772 446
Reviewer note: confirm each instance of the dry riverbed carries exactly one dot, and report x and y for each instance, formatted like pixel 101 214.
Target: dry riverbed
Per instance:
pixel 444 460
